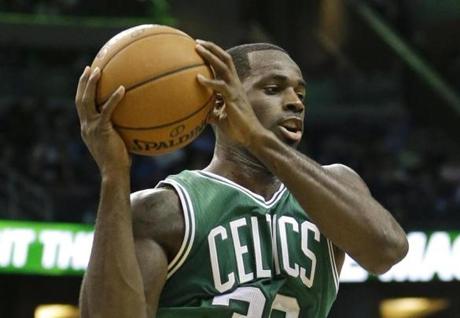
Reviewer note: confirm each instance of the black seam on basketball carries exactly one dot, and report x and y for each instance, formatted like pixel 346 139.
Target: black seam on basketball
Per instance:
pixel 156 77
pixel 170 123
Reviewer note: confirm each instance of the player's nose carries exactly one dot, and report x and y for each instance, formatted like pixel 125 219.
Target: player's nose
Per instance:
pixel 293 103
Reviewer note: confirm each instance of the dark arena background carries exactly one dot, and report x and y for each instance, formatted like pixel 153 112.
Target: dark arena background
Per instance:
pixel 383 97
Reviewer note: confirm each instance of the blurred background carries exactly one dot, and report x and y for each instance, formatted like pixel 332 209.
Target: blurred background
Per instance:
pixel 383 98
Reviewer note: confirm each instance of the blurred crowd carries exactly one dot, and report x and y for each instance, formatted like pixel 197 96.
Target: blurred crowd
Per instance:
pixel 83 7
pixel 414 171
pixel 41 141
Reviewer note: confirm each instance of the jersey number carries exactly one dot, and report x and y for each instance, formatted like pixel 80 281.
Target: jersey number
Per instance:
pixel 256 300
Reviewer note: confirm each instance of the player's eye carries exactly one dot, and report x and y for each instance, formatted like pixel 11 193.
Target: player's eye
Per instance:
pixel 301 96
pixel 271 89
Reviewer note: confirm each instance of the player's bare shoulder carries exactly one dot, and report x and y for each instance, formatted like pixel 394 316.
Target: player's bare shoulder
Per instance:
pixel 157 214
pixel 348 175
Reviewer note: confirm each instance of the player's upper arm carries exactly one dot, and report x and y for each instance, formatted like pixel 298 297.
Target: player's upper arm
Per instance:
pixel 348 175
pixel 158 228
pixel 383 242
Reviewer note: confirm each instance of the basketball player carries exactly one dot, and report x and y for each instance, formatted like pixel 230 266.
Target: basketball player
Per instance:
pixel 262 231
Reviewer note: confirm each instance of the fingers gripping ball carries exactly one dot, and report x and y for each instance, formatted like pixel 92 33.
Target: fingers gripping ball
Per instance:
pixel 164 107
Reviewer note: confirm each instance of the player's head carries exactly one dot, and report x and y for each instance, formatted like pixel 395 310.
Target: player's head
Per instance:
pixel 240 56
pixel 275 88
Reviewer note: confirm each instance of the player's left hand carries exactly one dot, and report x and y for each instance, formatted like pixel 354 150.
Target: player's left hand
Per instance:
pixel 236 118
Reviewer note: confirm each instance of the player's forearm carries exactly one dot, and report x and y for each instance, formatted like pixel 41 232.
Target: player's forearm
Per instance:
pixel 113 282
pixel 347 215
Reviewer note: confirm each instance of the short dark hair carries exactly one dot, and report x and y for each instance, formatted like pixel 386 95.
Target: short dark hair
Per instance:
pixel 240 58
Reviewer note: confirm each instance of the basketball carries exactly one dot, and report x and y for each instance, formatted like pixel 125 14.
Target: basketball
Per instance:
pixel 164 107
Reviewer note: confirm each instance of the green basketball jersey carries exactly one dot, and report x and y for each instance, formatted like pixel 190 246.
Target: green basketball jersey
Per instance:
pixel 243 256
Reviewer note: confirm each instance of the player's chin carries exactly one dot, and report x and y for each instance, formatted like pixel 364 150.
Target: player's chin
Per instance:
pixel 294 143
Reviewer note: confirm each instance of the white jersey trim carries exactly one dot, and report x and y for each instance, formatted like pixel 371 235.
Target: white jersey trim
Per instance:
pixel 189 220
pixel 254 196
pixel 335 272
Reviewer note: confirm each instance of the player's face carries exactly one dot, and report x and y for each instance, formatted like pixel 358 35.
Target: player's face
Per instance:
pixel 276 91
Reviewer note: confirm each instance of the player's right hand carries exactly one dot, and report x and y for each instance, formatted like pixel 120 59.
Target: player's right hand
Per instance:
pixel 236 118
pixel 103 142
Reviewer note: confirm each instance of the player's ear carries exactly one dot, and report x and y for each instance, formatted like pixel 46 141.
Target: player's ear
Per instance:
pixel 219 101
pixel 218 111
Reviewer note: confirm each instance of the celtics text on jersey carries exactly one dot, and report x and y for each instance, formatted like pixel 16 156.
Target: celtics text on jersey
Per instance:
pixel 244 256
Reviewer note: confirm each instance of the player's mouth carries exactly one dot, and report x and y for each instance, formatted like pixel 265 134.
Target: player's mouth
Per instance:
pixel 291 129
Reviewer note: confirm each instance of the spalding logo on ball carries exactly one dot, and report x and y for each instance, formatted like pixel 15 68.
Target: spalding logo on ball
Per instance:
pixel 164 108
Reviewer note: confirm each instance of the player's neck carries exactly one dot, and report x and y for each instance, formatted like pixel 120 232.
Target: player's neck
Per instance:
pixel 238 165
